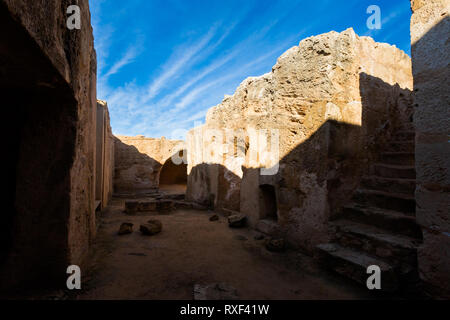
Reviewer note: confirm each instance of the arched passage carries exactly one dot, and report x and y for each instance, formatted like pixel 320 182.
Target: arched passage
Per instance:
pixel 267 202
pixel 173 176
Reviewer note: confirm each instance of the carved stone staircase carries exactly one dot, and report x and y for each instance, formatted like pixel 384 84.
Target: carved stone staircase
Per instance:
pixel 378 227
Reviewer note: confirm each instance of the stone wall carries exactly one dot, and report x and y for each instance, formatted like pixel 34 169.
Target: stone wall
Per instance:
pixel 430 28
pixel 138 161
pixel 334 100
pixel 49 82
pixel 104 155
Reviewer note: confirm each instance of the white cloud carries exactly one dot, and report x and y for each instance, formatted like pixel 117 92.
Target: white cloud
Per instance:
pixel 189 81
pixel 177 62
pixel 128 57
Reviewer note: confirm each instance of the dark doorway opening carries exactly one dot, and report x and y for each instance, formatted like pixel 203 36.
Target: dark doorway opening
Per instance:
pixel 267 202
pixel 173 176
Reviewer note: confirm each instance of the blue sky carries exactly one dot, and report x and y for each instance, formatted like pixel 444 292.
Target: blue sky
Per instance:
pixel 163 63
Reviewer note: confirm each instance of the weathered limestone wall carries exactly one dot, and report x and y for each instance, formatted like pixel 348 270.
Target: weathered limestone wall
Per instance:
pixel 138 161
pixel 53 219
pixel 334 100
pixel 430 28
pixel 108 173
pixel 104 155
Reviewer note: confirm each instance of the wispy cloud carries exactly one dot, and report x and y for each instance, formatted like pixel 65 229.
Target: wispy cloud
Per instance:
pixel 175 63
pixel 187 67
pixel 127 58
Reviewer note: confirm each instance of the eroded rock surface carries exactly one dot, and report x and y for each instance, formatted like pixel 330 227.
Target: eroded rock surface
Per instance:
pixel 333 101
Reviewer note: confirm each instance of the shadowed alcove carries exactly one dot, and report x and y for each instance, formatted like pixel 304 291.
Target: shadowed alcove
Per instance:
pixel 173 176
pixel 267 202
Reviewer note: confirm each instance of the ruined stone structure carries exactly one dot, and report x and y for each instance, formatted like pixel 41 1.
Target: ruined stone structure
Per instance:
pixel 335 100
pixel 48 85
pixel 141 163
pixel 337 152
pixel 430 48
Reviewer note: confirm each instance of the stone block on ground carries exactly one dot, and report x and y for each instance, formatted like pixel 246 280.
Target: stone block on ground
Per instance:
pixel 180 204
pixel 176 196
pixel 214 217
pixel 125 228
pixel 150 228
pixel 165 205
pixel 237 221
pixel 268 227
pixel 148 205
pixel 131 207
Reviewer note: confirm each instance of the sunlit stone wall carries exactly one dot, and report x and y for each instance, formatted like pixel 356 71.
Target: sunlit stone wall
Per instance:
pixel 333 101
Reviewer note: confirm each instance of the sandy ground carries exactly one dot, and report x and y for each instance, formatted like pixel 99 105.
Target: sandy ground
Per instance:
pixel 193 250
pixel 172 188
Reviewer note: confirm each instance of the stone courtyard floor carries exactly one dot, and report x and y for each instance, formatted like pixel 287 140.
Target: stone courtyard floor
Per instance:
pixel 192 250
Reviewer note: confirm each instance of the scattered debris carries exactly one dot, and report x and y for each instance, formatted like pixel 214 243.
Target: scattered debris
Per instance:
pixel 237 221
pixel 214 218
pixel 161 204
pixel 275 245
pixel 126 228
pixel 215 291
pixel 151 227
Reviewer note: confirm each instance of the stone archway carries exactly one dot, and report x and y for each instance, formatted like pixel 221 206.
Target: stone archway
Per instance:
pixel 172 176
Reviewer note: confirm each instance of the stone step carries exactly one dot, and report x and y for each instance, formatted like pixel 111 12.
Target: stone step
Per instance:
pixel 396 185
pixel 403 135
pixel 397 249
pixel 353 264
pixel 394 171
pixel 393 221
pixel 401 146
pixel 388 200
pixel 398 158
